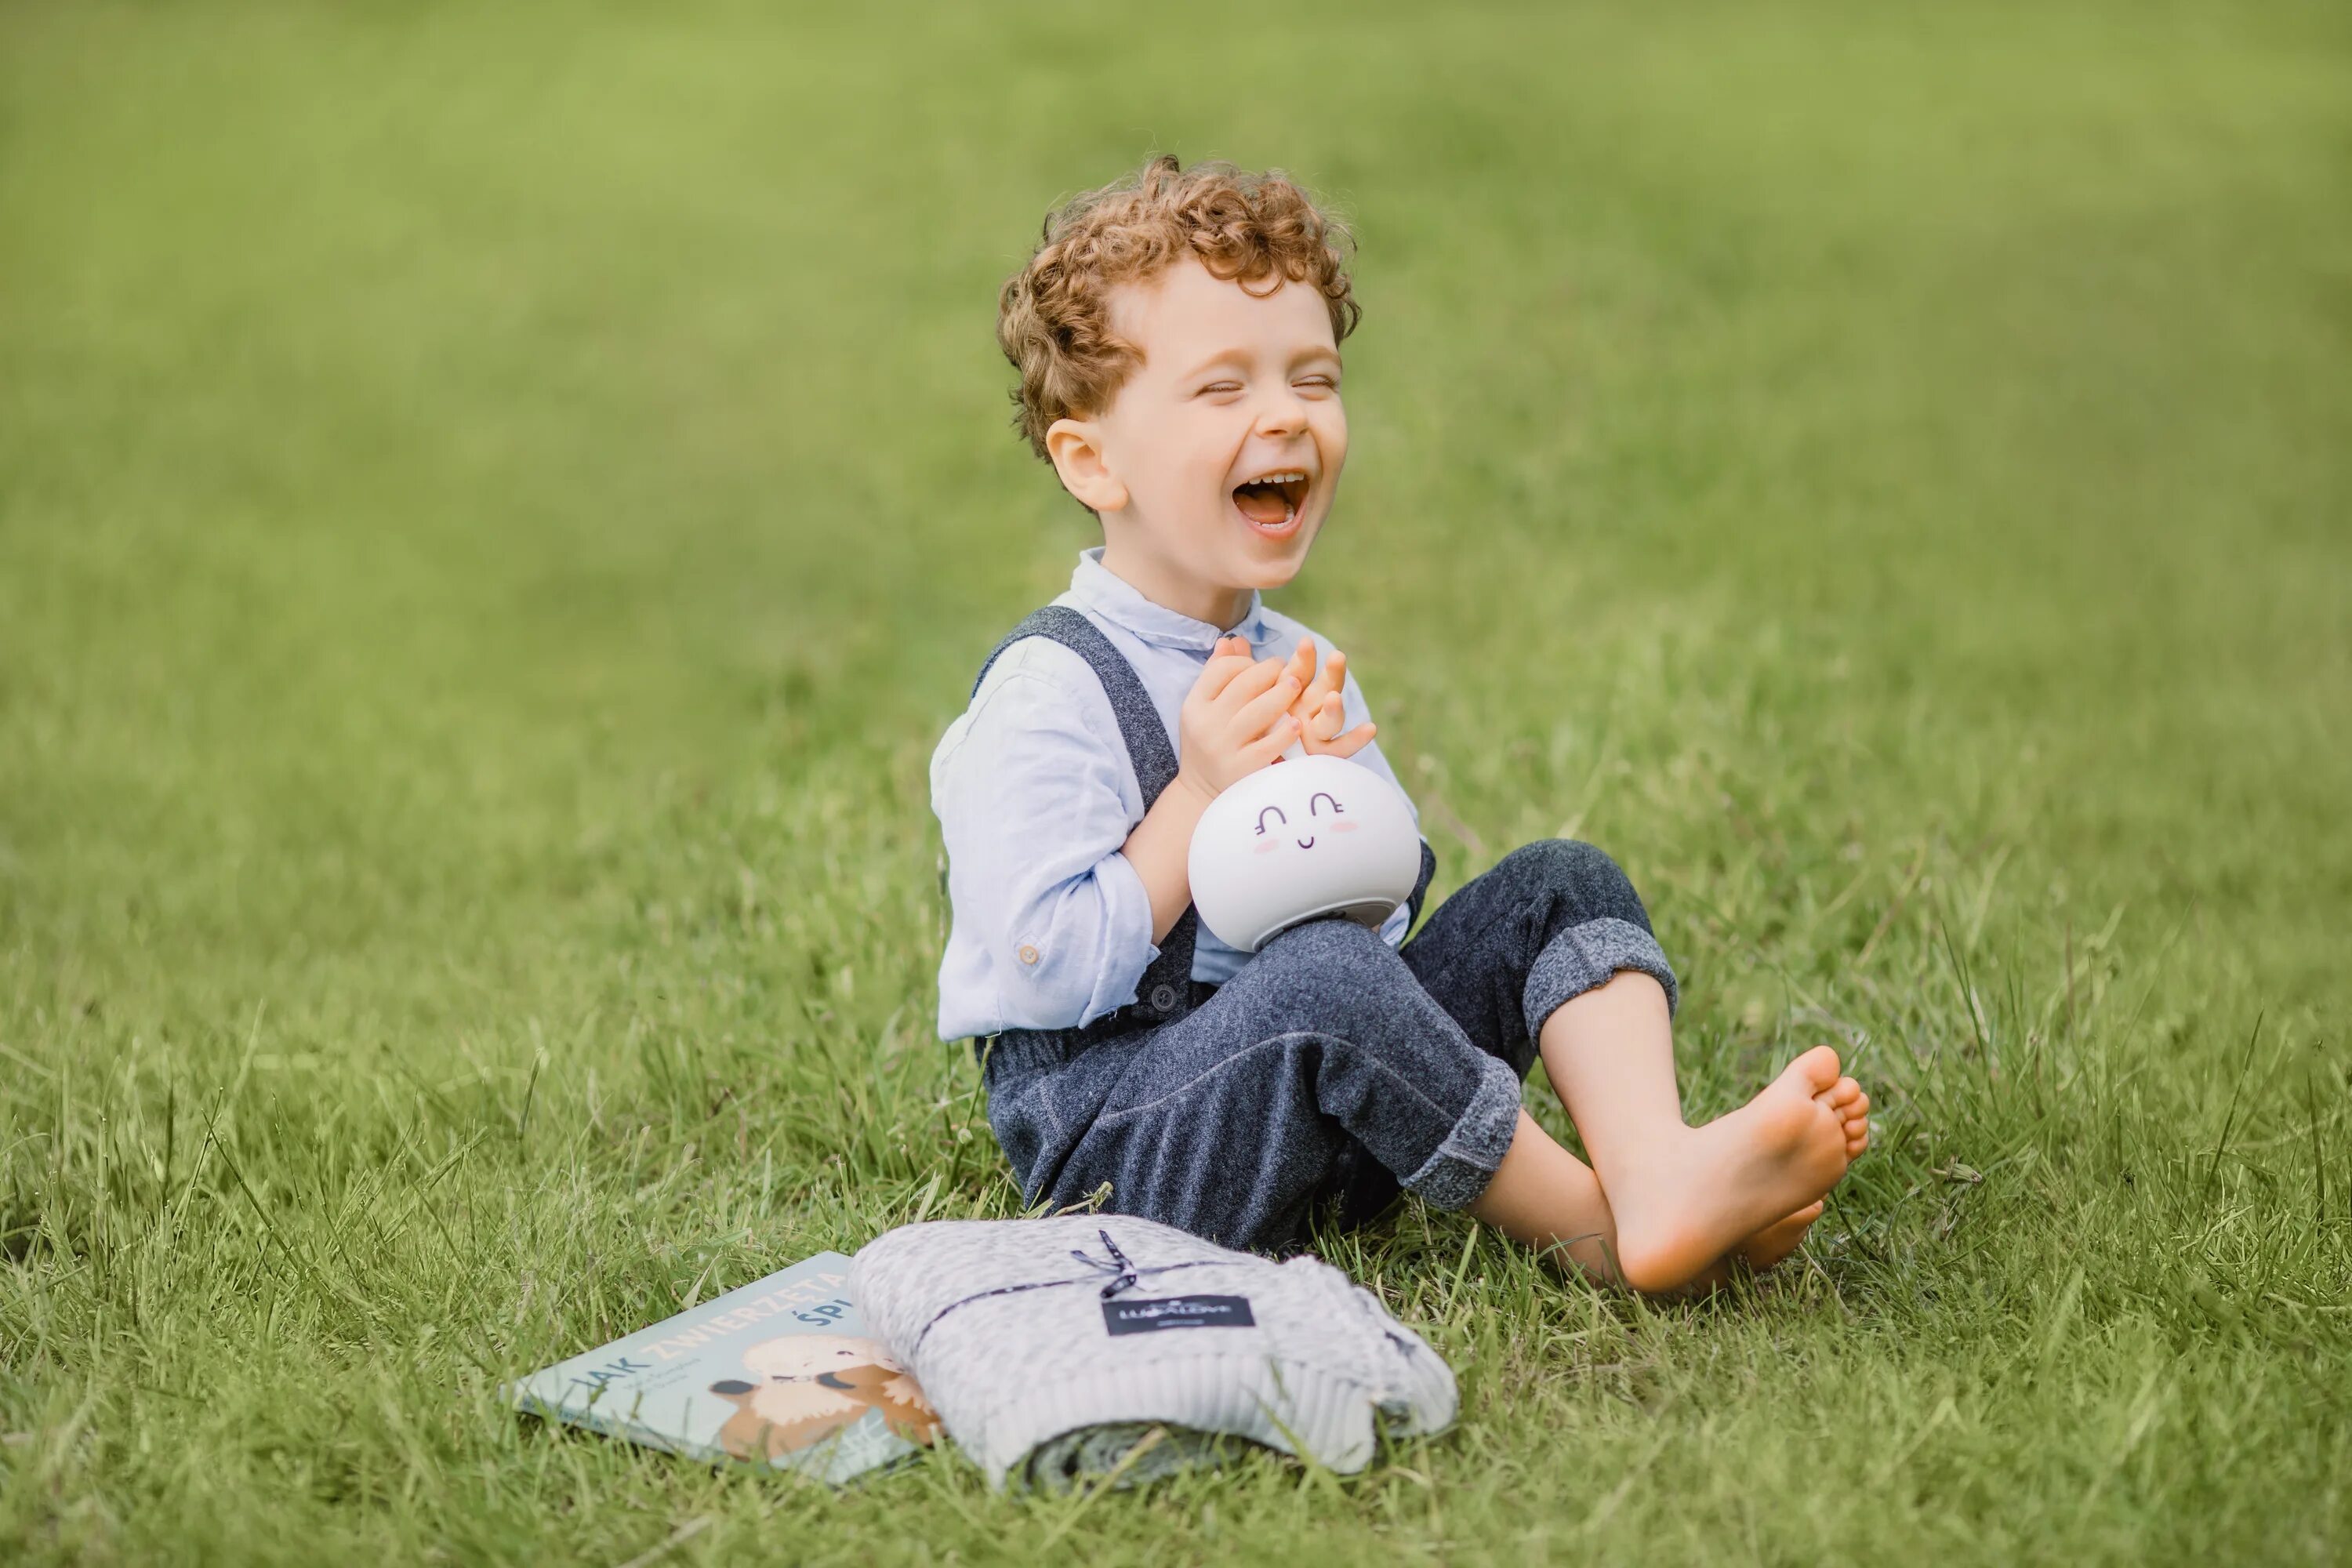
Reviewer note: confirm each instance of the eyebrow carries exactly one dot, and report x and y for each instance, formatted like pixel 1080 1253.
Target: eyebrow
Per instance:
pixel 1234 356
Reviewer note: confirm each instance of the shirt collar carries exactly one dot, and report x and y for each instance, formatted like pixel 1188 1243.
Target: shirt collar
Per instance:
pixel 1120 601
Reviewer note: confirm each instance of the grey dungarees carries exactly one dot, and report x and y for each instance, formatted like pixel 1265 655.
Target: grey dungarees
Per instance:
pixel 1331 1069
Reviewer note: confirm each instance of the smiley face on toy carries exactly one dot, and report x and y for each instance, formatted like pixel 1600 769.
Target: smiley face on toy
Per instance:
pixel 1324 814
pixel 1305 836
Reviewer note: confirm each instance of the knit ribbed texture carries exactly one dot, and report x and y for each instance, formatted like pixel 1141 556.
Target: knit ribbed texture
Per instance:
pixel 1454 1176
pixel 1586 955
pixel 1321 1370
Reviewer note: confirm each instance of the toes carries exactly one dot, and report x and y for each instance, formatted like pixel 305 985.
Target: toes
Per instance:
pixel 1846 1099
pixel 1857 1139
pixel 1817 1069
pixel 1778 1240
pixel 1790 1225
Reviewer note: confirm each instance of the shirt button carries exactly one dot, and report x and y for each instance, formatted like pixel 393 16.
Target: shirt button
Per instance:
pixel 1028 953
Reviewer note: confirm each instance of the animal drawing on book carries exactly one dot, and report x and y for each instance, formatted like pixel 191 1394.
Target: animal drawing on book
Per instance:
pixel 809 1386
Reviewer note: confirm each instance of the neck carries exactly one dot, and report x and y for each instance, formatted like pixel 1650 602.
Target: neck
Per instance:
pixel 1170 586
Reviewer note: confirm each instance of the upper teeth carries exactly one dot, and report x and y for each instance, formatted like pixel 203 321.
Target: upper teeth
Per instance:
pixel 1288 476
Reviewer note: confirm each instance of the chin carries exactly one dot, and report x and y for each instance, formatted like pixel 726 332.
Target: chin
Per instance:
pixel 1265 575
pixel 1271 563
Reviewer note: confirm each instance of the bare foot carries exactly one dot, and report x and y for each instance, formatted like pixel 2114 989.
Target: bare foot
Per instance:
pixel 1778 1239
pixel 1757 1252
pixel 1702 1191
pixel 1852 1107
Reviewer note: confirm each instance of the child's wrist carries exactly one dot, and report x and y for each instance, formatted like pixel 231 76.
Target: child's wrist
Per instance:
pixel 1197 791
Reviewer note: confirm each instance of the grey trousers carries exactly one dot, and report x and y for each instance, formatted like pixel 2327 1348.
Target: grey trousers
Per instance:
pixel 1332 1069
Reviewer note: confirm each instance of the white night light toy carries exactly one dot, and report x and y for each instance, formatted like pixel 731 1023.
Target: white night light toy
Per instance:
pixel 1304 836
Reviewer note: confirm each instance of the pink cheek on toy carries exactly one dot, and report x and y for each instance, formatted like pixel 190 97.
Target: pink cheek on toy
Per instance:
pixel 1268 847
pixel 1341 828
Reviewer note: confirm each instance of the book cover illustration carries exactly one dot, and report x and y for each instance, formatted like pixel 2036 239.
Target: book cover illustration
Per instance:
pixel 780 1372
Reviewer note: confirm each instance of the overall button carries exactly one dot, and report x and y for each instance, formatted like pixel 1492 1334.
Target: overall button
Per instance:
pixel 1163 998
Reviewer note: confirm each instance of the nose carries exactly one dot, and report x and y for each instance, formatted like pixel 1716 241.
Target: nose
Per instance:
pixel 1283 412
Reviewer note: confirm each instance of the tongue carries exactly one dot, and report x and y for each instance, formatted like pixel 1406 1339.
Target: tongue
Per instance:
pixel 1262 503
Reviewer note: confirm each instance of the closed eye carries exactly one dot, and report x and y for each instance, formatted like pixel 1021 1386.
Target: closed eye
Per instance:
pixel 1274 811
pixel 1322 795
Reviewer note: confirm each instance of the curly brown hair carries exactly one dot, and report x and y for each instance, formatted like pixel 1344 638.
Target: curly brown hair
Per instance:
pixel 1052 316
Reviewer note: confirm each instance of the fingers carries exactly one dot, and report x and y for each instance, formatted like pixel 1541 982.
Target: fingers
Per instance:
pixel 1321 708
pixel 1265 703
pixel 1274 697
pixel 1227 661
pixel 1302 660
pixel 1324 719
pixel 1261 752
pixel 1231 656
pixel 1240 680
pixel 1327 680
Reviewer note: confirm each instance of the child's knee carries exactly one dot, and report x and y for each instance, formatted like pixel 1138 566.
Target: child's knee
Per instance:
pixel 1595 886
pixel 1327 976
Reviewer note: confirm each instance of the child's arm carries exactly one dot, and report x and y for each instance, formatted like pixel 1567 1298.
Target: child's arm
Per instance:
pixel 1233 722
pixel 1057 924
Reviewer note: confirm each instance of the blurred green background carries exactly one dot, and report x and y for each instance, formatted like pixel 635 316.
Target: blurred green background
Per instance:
pixel 497 503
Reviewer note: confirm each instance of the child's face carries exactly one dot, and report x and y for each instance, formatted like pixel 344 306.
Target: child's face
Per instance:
pixel 1234 387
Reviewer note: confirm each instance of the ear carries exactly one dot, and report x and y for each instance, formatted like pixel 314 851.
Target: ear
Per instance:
pixel 1075 447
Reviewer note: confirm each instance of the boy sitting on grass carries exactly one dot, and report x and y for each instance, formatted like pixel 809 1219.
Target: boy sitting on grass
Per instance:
pixel 1178 335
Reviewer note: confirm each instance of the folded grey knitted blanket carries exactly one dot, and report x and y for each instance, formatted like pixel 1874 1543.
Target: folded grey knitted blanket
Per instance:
pixel 1051 1347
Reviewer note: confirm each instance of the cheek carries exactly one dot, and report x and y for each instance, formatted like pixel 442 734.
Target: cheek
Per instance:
pixel 1341 828
pixel 1205 476
pixel 1331 437
pixel 1269 847
pixel 1162 457
pixel 1215 442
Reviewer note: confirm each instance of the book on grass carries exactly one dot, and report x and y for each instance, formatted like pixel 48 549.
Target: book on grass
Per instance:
pixel 781 1373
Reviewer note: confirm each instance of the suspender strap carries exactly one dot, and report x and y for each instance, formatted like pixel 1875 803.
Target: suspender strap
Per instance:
pixel 1166 991
pixel 1420 886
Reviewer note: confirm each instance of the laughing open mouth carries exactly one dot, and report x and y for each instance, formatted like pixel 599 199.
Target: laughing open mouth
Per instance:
pixel 1272 501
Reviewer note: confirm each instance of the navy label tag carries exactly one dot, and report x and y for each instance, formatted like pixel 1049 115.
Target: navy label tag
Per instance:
pixel 1144 1317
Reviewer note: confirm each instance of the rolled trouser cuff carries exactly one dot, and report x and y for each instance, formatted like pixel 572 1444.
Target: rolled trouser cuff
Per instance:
pixel 1452 1178
pixel 1583 956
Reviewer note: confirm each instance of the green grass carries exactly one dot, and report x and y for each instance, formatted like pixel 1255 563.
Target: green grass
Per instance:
pixel 497 505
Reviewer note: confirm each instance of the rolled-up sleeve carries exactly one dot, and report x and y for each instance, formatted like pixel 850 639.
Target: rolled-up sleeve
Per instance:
pixel 1034 807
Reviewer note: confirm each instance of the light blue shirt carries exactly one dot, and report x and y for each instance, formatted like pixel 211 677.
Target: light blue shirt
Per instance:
pixel 1051 926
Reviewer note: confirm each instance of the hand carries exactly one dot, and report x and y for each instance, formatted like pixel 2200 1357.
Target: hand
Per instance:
pixel 1321 706
pixel 1236 720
